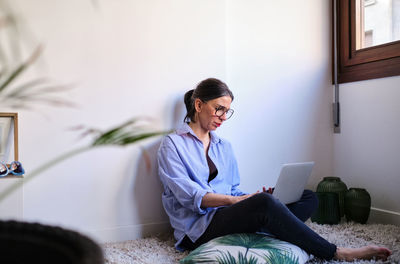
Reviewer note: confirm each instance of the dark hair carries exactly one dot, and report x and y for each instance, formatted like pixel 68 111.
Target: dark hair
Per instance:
pixel 206 90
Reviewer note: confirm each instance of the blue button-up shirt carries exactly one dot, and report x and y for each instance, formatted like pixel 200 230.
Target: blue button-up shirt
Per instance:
pixel 184 172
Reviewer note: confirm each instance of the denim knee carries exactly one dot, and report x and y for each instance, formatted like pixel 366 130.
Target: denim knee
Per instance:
pixel 265 201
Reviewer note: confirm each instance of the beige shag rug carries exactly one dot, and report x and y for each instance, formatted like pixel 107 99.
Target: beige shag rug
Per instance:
pixel 160 249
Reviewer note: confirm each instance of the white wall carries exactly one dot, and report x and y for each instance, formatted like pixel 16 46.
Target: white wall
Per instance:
pixel 125 59
pixel 366 152
pixel 279 68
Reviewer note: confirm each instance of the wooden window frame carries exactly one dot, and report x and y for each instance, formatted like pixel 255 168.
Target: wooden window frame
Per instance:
pixel 363 64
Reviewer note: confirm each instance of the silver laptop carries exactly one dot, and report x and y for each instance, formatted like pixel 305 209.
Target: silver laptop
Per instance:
pixel 292 181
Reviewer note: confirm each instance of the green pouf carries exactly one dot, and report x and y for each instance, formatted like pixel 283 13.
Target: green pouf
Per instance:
pixel 247 248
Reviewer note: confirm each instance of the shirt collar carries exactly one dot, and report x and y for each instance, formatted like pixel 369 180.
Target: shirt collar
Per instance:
pixel 185 129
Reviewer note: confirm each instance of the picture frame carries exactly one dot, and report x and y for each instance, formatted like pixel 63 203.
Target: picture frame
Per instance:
pixel 8 137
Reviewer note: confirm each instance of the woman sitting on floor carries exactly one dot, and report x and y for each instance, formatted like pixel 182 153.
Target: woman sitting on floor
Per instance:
pixel 201 178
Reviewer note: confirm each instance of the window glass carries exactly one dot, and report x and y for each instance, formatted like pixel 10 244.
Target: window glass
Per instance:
pixel 377 22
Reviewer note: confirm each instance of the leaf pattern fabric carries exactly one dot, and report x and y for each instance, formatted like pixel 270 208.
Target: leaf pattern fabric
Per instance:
pixel 247 248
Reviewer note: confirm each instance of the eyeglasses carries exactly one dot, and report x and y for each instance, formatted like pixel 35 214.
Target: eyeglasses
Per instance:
pixel 14 168
pixel 220 111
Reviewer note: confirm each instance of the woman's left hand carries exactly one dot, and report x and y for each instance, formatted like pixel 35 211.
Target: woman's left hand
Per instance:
pixel 270 190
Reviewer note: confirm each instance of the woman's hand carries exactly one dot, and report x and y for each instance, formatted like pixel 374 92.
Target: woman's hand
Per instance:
pixel 270 190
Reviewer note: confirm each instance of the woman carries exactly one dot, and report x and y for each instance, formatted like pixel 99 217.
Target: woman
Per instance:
pixel 201 195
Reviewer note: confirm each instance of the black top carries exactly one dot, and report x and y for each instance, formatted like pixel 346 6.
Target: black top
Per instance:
pixel 213 169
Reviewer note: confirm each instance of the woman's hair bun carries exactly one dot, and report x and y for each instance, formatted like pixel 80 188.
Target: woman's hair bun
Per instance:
pixel 188 99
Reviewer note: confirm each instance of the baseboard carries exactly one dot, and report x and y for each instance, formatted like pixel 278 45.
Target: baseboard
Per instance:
pixel 131 232
pixel 124 233
pixel 382 216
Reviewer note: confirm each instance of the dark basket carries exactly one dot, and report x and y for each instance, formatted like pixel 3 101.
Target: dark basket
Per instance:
pixel 22 243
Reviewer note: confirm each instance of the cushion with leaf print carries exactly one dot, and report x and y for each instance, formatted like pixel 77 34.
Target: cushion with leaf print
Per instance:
pixel 247 248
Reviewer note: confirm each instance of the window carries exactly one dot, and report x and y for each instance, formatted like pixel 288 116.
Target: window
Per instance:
pixel 368 39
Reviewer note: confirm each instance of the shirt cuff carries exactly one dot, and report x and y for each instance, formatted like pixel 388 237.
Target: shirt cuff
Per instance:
pixel 238 192
pixel 197 201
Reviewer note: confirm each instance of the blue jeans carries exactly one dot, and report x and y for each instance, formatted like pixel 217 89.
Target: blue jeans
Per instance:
pixel 262 212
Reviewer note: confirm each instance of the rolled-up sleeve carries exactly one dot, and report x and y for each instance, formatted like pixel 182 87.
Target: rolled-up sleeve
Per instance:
pixel 176 179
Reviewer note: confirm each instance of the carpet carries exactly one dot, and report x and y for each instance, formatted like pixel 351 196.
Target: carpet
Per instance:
pixel 160 249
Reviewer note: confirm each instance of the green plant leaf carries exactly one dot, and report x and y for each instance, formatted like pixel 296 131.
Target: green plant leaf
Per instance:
pixel 281 257
pixel 9 44
pixel 112 133
pixel 199 255
pixel 227 258
pixel 20 69
pixel 34 91
pixel 252 241
pixel 125 134
pixel 249 240
pixel 28 85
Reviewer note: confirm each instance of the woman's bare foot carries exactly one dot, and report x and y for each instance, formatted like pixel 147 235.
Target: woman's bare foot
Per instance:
pixel 367 252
